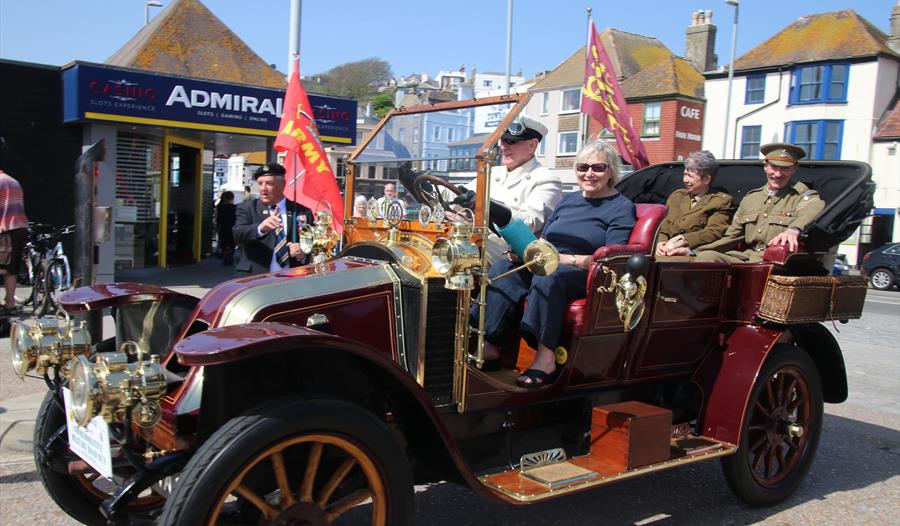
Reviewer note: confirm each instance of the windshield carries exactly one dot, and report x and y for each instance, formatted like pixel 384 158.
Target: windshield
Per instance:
pixel 443 143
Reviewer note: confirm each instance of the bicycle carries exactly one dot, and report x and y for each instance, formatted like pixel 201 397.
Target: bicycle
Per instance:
pixel 47 267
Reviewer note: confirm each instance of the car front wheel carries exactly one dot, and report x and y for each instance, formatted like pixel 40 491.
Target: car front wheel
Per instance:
pixel 881 279
pixel 781 429
pixel 300 462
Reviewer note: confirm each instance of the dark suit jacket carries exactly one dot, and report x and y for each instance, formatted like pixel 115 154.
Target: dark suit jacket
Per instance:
pixel 255 253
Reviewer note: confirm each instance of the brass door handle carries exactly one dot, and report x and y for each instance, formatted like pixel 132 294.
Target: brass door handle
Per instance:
pixel 667 299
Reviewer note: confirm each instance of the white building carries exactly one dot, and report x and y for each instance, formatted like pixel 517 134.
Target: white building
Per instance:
pixel 827 95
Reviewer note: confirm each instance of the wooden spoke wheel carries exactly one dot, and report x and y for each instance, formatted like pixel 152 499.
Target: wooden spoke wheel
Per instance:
pixel 78 494
pixel 781 431
pixel 310 462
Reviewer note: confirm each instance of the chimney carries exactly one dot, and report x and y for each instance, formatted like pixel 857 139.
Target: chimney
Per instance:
pixel 893 41
pixel 700 44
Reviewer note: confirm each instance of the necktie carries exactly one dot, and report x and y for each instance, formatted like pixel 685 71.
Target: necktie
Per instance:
pixel 282 253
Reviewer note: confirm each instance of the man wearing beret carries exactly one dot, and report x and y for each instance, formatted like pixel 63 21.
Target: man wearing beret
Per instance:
pixel 264 226
pixel 772 215
pixel 521 188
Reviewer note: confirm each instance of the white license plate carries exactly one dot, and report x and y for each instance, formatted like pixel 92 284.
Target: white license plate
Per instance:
pixel 91 443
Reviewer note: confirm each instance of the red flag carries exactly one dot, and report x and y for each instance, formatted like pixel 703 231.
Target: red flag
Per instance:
pixel 602 99
pixel 297 135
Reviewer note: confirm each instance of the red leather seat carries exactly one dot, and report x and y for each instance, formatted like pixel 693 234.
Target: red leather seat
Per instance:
pixel 649 217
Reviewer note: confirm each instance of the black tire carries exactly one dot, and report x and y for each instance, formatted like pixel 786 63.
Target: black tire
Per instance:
pixel 78 495
pixel 772 460
pixel 39 289
pixel 881 279
pixel 246 450
pixel 56 276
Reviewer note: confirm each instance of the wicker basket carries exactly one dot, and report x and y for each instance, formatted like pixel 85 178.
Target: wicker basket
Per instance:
pixel 800 299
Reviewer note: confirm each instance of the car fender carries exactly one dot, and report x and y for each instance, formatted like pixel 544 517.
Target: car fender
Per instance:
pixel 726 378
pixel 105 295
pixel 426 432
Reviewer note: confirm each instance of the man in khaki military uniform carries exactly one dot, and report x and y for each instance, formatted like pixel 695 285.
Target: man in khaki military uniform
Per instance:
pixel 772 215
pixel 696 216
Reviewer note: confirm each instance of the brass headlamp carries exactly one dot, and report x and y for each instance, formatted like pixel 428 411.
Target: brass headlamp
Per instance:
pixel 319 239
pixel 456 256
pixel 115 388
pixel 47 342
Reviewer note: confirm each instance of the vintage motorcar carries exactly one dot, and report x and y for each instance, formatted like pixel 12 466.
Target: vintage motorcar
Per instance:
pixel 322 394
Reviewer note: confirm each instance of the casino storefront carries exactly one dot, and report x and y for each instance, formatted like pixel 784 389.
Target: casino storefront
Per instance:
pixel 164 135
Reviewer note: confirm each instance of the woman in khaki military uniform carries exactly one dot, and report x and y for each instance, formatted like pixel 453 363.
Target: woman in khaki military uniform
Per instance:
pixel 696 216
pixel 772 215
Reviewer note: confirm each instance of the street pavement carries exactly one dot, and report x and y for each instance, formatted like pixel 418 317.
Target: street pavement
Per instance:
pixel 855 479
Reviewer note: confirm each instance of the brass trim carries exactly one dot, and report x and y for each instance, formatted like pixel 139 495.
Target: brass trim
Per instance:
pixel 461 354
pixel 423 315
pixel 728 449
pixel 400 328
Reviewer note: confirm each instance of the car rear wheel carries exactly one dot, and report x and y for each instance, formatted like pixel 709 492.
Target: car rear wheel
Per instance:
pixel 303 462
pixel 781 429
pixel 881 279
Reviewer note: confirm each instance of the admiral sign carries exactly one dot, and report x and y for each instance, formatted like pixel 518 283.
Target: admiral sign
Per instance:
pixel 98 93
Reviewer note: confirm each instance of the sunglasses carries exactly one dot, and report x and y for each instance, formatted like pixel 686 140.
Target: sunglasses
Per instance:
pixel 510 142
pixel 596 167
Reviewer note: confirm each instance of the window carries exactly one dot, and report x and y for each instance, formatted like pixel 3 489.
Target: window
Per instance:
pixel 487 83
pixel 606 134
pixel 651 119
pixel 437 133
pixel 756 89
pixel 449 134
pixel 401 134
pixel 750 138
pixel 823 83
pixel 545 104
pixel 416 135
pixel 568 143
pixel 571 100
pixel 821 139
pixel 371 170
pixel 540 148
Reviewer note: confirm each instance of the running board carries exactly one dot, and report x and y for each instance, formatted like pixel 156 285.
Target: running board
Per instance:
pixel 532 484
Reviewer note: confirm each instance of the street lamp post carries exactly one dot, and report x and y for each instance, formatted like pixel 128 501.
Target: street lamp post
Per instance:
pixel 737 6
pixel 147 5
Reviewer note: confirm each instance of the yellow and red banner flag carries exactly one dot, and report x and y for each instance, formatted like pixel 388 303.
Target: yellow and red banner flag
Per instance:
pixel 602 99
pixel 306 163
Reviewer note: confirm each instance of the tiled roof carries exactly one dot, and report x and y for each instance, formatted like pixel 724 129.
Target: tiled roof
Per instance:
pixel 889 126
pixel 648 67
pixel 186 39
pixel 827 36
pixel 673 76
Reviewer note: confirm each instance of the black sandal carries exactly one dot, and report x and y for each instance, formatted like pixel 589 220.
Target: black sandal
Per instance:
pixel 538 378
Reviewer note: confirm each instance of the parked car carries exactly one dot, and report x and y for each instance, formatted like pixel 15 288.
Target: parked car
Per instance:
pixel 882 266
pixel 840 265
pixel 323 393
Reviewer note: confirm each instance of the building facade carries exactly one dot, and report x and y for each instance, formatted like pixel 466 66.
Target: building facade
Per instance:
pixel 827 96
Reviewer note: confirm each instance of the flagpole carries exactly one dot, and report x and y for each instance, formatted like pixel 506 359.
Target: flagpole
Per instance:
pixel 294 175
pixel 583 122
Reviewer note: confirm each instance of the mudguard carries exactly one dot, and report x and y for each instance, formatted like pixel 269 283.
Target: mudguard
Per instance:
pixel 96 297
pixel 727 377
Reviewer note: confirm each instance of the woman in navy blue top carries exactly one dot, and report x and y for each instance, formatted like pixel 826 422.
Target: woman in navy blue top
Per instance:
pixel 582 222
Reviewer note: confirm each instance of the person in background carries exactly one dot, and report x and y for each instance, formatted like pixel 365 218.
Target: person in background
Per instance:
pixel 13 228
pixel 390 193
pixel 695 216
pixel 263 226
pixel 359 206
pixel 583 221
pixel 773 214
pixel 226 214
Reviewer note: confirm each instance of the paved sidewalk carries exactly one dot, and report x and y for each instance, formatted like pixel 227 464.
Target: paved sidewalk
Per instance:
pixel 18 412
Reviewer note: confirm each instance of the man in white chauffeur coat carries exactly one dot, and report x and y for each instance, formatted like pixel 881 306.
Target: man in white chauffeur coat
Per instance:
pixel 526 188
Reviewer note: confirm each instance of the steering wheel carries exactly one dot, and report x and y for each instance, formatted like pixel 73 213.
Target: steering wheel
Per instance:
pixel 426 190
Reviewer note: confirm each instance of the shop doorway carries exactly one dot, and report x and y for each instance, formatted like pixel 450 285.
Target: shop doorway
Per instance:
pixel 182 200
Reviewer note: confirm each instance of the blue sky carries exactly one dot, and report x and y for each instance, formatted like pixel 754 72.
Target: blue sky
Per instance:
pixel 412 35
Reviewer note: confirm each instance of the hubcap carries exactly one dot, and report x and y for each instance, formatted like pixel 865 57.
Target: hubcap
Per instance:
pixel 881 279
